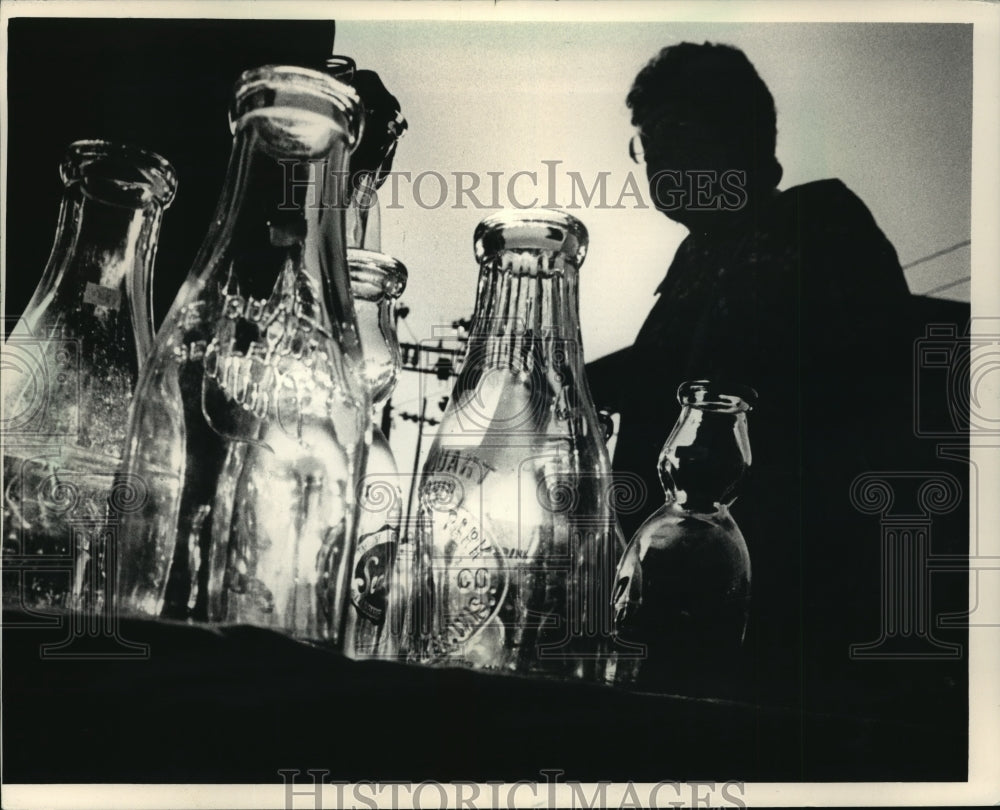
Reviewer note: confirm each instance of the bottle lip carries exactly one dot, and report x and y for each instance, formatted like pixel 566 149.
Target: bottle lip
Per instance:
pixel 119 173
pixel 341 67
pixel 384 122
pixel 719 397
pixel 292 87
pixel 375 275
pixel 541 229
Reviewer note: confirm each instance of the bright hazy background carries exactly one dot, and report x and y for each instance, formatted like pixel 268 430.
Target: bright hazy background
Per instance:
pixel 887 108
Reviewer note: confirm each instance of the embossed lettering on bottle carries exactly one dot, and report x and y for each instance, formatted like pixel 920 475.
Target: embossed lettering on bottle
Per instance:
pixel 515 542
pixel 252 417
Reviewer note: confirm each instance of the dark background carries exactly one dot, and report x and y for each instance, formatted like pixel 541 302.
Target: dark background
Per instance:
pixel 164 85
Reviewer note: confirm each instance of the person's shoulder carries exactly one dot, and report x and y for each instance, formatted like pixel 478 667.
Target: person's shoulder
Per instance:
pixel 826 202
pixel 830 193
pixel 833 226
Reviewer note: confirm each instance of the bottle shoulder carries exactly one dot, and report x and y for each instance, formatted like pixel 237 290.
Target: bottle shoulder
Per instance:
pixel 381 460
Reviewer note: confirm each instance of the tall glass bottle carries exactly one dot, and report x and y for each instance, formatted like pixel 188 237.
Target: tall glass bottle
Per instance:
pixel 376 282
pixel 515 546
pixel 251 421
pixel 683 586
pixel 371 162
pixel 70 369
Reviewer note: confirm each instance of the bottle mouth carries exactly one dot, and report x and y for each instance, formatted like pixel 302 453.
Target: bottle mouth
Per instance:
pixel 120 174
pixel 375 276
pixel 535 229
pixel 304 107
pixel 341 68
pixel 719 397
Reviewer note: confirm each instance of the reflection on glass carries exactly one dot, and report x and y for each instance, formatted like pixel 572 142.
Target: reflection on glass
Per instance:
pixel 251 423
pixel 70 367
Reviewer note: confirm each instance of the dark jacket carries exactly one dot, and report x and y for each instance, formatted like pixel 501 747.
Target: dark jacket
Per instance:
pixel 805 301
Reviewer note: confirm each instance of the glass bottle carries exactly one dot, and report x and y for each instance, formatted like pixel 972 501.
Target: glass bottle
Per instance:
pixel 514 543
pixel 683 585
pixel 376 282
pixel 70 369
pixel 371 162
pixel 252 418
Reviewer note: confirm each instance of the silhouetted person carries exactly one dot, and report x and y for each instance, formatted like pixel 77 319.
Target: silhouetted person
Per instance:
pixel 798 294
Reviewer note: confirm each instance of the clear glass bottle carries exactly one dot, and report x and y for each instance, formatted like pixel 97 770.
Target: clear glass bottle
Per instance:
pixel 377 281
pixel 515 545
pixel 252 417
pixel 683 586
pixel 371 162
pixel 70 369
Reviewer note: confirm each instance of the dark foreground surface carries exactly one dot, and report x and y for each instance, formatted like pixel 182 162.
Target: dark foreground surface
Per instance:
pixel 235 706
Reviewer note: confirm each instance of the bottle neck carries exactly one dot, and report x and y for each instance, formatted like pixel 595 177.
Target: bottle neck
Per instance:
pixel 364 217
pixel 281 221
pixel 704 460
pixel 380 347
pixel 526 316
pixel 100 266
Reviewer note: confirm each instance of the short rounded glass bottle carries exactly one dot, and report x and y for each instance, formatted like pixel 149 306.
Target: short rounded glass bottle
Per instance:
pixel 682 590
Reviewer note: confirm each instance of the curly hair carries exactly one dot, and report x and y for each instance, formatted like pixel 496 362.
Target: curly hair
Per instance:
pixel 716 84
